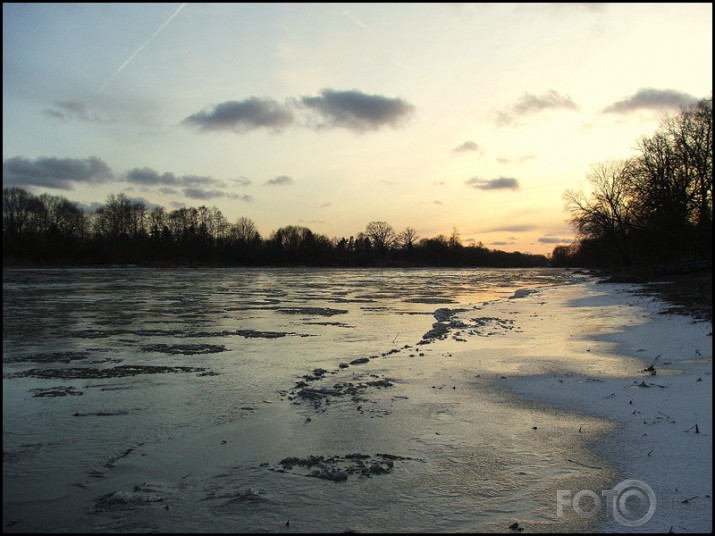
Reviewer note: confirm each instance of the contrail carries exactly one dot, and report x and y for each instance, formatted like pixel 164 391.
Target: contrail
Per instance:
pixel 137 51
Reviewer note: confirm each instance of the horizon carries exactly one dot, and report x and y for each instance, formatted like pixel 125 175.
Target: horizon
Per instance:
pixel 474 117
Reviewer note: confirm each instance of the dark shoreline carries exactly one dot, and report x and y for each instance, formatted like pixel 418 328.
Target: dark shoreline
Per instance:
pixel 688 293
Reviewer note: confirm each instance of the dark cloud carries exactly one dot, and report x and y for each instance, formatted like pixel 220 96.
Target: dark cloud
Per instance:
pixel 512 228
pixel 242 116
pixel 59 173
pixel 502 183
pixel 533 104
pixel 467 146
pixel 281 180
pixel 205 193
pixel 200 180
pixel 651 99
pixel 69 110
pixel 554 240
pixel 355 110
pixel 148 204
pixel 195 184
pixel 149 177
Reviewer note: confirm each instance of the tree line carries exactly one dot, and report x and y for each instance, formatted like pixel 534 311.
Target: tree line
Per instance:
pixel 653 208
pixel 48 229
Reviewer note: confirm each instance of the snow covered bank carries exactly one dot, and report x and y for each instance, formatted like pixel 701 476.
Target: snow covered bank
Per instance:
pixel 663 407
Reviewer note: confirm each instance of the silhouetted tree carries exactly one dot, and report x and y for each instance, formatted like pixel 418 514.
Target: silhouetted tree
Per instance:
pixel 382 236
pixel 606 213
pixel 657 206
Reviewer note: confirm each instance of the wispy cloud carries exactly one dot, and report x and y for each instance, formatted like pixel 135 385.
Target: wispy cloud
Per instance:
pixel 650 99
pixel 514 228
pixel 502 183
pixel 532 104
pixel 74 109
pixel 150 177
pixel 519 160
pixel 192 186
pixel 138 50
pixel 206 194
pixel 282 180
pixel 59 173
pixel 468 147
pixel 554 240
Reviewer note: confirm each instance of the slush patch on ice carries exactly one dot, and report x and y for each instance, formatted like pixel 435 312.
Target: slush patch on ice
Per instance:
pixel 250 495
pixel 56 391
pixel 184 349
pixel 429 299
pixel 315 311
pixel 340 468
pixel 114 372
pixel 522 293
pixel 122 498
pixel 444 313
pixel 49 357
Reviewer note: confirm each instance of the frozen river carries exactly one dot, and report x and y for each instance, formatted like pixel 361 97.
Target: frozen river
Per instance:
pixel 258 399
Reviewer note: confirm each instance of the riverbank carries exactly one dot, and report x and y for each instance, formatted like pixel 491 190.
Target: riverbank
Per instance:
pixel 663 409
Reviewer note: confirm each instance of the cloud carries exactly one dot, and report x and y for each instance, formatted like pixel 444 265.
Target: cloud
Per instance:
pixel 241 181
pixel 59 173
pixel 502 183
pixel 467 146
pixel 650 99
pixel 512 228
pixel 242 116
pixel 554 240
pixel 204 194
pixel 149 177
pixel 355 110
pixel 74 109
pixel 532 104
pixel 352 110
pixel 519 160
pixel 282 180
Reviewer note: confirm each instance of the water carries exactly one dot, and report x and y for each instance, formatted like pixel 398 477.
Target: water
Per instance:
pixel 144 400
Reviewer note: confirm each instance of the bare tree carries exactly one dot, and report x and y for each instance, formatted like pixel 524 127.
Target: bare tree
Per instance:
pixel 605 214
pixel 455 240
pixel 18 208
pixel 245 231
pixel 407 238
pixel 381 234
pixel 691 132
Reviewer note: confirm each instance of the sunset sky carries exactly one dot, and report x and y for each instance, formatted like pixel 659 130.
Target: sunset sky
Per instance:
pixel 435 116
